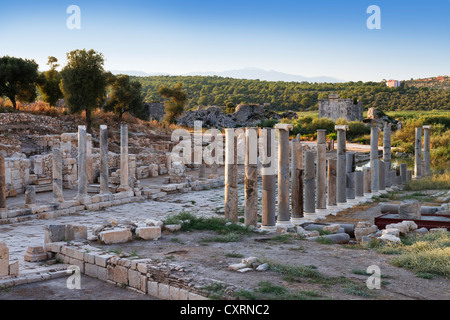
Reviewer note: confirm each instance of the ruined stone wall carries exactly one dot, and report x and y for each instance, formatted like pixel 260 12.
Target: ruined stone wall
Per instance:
pixel 340 108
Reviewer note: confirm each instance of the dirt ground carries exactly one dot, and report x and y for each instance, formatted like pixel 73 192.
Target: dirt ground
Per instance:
pixel 339 264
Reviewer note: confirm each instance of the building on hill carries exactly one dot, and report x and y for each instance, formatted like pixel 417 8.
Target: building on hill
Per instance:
pixel 393 83
pixel 334 108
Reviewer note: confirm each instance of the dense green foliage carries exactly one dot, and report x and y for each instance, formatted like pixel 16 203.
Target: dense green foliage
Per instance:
pixel 49 83
pixel 18 79
pixel 84 82
pixel 125 96
pixel 296 95
pixel 177 99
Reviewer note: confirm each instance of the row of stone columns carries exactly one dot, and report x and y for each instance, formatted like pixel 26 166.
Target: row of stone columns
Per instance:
pixel 312 189
pixel 422 167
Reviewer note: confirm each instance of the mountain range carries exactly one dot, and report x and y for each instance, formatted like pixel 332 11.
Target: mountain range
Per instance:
pixel 245 73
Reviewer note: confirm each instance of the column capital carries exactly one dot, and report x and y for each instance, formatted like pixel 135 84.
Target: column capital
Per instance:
pixel 341 127
pixel 428 127
pixel 284 126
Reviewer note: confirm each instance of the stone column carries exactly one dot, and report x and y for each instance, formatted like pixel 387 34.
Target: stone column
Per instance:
pixel 124 182
pixel 426 149
pixel 268 173
pixel 382 176
pixel 374 162
pixel 403 173
pixel 310 186
pixel 104 163
pixel 283 173
pixel 418 153
pixel 359 184
pixel 57 175
pixel 367 181
pixel 332 163
pixel 251 176
pixel 350 164
pixel 231 176
pixel 82 162
pixel 297 181
pixel 321 168
pixel 387 153
pixel 2 184
pixel 341 170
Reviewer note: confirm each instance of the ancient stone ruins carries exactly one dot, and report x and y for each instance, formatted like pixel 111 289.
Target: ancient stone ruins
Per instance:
pixel 300 185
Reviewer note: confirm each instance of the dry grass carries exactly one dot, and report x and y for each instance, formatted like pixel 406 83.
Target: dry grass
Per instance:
pixel 438 181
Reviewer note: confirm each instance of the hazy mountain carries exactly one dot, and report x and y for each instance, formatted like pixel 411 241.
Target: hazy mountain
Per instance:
pixel 139 73
pixel 266 75
pixel 245 73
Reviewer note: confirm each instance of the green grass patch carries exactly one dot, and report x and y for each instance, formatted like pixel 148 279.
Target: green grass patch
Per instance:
pixel 266 290
pixel 229 237
pixel 234 255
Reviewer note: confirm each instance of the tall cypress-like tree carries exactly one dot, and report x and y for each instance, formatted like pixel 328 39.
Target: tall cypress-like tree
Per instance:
pixel 83 82
pixel 49 83
pixel 18 79
pixel 175 105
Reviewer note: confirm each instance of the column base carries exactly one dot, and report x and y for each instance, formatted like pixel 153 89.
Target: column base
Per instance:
pixel 124 188
pixel 287 223
pixel 297 221
pixel 269 228
pixel 382 191
pixel 344 205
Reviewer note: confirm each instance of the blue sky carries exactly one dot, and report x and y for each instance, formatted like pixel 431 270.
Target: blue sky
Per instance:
pixel 309 38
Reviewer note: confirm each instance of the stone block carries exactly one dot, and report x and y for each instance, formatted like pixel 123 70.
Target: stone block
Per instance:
pixel 4 259
pixel 163 291
pixel 134 279
pixel 121 275
pixel 54 233
pixel 152 288
pixel 102 273
pixel 148 233
pixel 174 293
pixel 75 232
pixel 91 270
pixel 360 232
pixel 115 236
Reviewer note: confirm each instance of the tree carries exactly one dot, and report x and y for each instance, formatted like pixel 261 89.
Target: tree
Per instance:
pixel 18 79
pixel 231 108
pixel 83 82
pixel 203 101
pixel 125 96
pixel 175 106
pixel 49 83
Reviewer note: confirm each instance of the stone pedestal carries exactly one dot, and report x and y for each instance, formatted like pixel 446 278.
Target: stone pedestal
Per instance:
pixel 382 176
pixel 359 184
pixel 387 153
pixel 367 181
pixel 351 165
pixel 403 173
pixel 30 197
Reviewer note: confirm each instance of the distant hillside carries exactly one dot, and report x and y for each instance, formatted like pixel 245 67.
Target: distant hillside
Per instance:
pixel 296 96
pixel 440 82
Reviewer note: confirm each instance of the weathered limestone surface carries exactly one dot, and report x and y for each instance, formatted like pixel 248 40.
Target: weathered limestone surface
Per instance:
pixel 351 164
pixel 283 172
pixel 268 178
pixel 374 161
pixel 104 167
pixel 115 236
pixel 2 183
pixel 341 176
pixel 359 184
pixel 321 169
pixel 82 162
pixel 251 177
pixel 124 169
pixel 297 179
pixel 57 175
pixel 418 153
pixel 409 209
pixel 148 233
pixel 332 182
pixel 231 176
pixel 4 259
pixel 310 184
pixel 426 149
